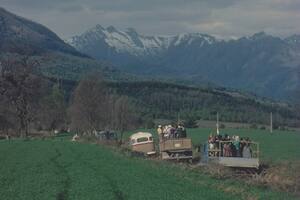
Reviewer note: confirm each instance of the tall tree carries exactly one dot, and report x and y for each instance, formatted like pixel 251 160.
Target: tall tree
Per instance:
pixel 53 115
pixel 122 116
pixel 21 87
pixel 89 106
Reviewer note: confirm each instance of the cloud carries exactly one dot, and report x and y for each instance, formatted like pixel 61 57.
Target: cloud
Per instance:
pixel 118 5
pixel 226 18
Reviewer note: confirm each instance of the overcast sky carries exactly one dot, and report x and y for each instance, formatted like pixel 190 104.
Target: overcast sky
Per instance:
pixel 223 18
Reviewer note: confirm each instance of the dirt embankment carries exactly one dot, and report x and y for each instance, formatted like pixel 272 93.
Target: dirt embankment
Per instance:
pixel 283 176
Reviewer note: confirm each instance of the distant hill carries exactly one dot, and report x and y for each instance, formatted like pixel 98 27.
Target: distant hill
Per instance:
pixel 18 35
pixel 262 64
pixel 58 59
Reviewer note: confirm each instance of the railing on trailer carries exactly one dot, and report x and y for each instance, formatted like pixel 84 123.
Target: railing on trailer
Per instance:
pixel 217 155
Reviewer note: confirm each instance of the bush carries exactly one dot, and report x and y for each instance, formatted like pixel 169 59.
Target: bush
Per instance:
pixel 222 126
pixel 149 123
pixel 263 128
pixel 190 123
pixel 253 126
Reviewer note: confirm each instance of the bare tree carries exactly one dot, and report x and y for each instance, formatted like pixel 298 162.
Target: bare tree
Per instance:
pixel 5 122
pixel 298 97
pixel 123 118
pixel 21 87
pixel 94 107
pixel 89 106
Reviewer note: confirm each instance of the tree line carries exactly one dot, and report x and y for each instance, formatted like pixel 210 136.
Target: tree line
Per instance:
pixel 31 103
pixel 158 100
pixel 152 100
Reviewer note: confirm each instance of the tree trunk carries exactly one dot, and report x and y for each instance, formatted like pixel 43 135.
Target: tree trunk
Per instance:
pixel 121 138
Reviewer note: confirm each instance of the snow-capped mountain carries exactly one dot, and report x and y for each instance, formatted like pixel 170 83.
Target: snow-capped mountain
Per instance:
pixel 131 42
pixel 260 63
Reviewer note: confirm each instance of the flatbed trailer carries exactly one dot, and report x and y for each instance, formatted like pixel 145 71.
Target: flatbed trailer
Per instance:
pixel 217 156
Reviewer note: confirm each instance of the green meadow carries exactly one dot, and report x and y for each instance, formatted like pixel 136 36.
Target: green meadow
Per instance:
pixel 59 169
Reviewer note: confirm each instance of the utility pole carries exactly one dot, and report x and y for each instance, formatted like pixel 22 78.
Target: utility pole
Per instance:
pixel 271 122
pixel 218 132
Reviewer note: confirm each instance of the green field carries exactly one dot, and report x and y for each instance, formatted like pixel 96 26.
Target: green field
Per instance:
pixel 275 147
pixel 60 169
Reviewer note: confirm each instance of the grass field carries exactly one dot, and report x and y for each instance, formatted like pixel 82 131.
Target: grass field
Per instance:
pixel 59 169
pixel 275 147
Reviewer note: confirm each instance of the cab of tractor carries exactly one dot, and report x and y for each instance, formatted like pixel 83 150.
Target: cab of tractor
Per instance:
pixel 142 142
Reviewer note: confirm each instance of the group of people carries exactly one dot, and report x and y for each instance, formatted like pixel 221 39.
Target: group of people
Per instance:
pixel 170 132
pixel 227 146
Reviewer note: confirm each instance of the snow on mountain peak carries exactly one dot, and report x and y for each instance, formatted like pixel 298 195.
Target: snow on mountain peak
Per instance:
pixel 130 41
pixel 131 30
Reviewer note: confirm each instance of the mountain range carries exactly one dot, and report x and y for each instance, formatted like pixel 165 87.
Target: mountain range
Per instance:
pixel 262 64
pixel 151 98
pixel 266 65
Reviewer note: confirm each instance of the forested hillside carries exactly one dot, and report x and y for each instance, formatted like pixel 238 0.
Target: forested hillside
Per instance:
pixel 157 100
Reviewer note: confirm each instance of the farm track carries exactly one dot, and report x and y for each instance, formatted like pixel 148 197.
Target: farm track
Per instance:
pixel 116 191
pixel 118 194
pixel 61 170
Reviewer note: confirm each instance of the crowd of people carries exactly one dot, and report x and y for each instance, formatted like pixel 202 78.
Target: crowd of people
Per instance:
pixel 227 146
pixel 170 132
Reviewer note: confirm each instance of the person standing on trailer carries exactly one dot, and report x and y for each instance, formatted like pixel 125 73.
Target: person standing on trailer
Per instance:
pixel 236 144
pixel 160 132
